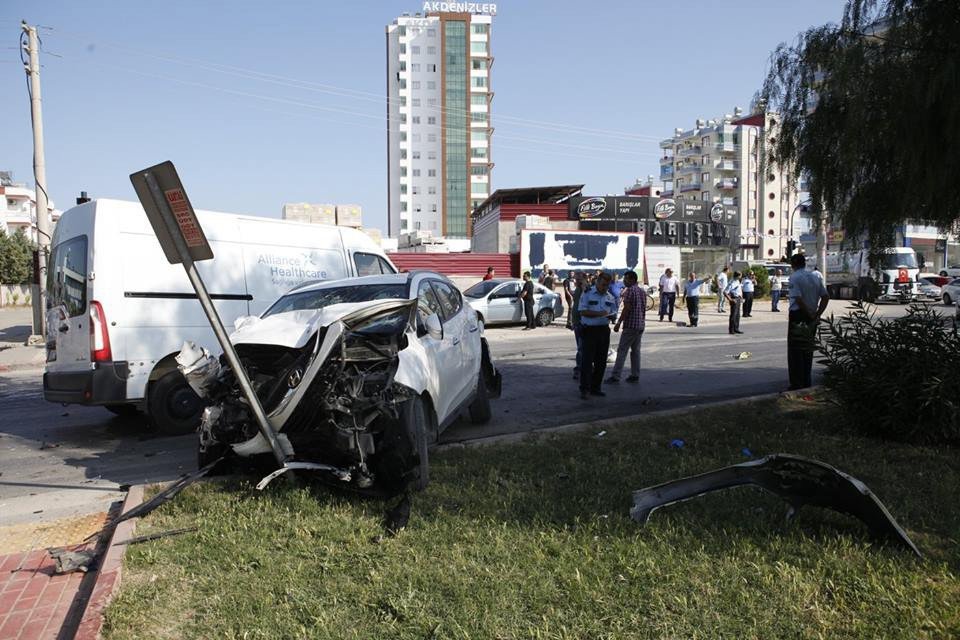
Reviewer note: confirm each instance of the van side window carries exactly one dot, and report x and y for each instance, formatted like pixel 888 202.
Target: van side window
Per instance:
pixel 67 280
pixel 370 264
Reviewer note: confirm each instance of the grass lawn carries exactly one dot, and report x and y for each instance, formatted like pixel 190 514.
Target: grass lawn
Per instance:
pixel 534 540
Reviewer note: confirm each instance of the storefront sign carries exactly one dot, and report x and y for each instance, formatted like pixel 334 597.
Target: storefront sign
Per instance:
pixel 716 213
pixel 591 208
pixel 694 234
pixel 664 209
pixel 481 8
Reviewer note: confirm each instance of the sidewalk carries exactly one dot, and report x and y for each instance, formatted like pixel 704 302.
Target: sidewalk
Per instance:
pixel 15 328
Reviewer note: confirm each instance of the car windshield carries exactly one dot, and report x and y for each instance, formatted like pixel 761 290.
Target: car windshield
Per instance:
pixel 320 298
pixel 899 261
pixel 481 289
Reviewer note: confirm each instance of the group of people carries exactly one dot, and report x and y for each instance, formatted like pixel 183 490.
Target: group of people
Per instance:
pixel 594 306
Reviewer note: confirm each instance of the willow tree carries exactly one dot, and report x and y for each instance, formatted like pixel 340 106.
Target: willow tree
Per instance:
pixel 870 114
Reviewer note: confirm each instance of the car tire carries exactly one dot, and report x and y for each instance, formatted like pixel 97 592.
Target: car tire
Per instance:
pixel 545 317
pixel 418 420
pixel 480 407
pixel 947 300
pixel 174 407
pixel 124 410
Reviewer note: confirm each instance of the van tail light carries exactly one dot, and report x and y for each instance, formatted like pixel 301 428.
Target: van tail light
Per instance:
pixel 99 337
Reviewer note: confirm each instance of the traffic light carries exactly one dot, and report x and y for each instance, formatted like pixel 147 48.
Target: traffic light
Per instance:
pixel 791 247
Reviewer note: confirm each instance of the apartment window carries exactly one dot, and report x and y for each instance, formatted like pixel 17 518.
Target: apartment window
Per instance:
pixel 403 118
pixel 431 102
pixel 416 84
pixel 478 116
pixel 752 216
pixel 431 33
pixel 478 64
pixel 416 137
pixel 416 102
pixel 403 188
pixel 403 136
pixel 431 137
pixel 704 177
pixel 415 67
pixel 416 190
pixel 416 155
pixel 479 81
pixel 403 65
pixel 433 208
pixel 705 196
pixel 478 28
pixel 403 222
pixel 402 30
pixel 416 119
pixel 403 172
pixel 705 140
pixel 403 154
pixel 431 51
pixel 479 170
pixel 432 68
pixel 704 160
pixel 431 84
pixel 403 207
pixel 478 98
pixel 403 84
pixel 478 47
pixel 416 173
pixel 415 50
pixel 478 152
pixel 431 155
pixel 431 120
pixel 403 101
pixel 431 173
pixel 403 48
pixel 432 191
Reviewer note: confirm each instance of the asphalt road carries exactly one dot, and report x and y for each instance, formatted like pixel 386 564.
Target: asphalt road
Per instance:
pixel 57 461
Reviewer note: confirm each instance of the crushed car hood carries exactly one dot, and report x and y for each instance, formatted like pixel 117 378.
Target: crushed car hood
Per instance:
pixel 294 328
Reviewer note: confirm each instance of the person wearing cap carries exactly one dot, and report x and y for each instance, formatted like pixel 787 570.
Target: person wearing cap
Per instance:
pixel 597 308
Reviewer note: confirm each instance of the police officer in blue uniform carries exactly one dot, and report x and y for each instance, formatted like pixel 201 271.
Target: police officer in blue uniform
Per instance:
pixel 597 308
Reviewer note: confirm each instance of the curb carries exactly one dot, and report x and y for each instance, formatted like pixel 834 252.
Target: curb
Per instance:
pixel 107 581
pixel 579 427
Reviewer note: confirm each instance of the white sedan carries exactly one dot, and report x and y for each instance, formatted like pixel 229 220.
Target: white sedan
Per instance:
pixel 951 291
pixel 496 302
pixel 953 271
pixel 356 376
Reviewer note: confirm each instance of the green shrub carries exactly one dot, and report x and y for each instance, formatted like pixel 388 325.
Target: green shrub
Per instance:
pixel 896 378
pixel 763 281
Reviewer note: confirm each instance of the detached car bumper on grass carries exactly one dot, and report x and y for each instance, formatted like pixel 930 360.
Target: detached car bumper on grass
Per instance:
pixel 356 390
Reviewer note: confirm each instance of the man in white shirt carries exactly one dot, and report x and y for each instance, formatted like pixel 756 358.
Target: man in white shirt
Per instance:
pixel 808 301
pixel 721 288
pixel 734 294
pixel 669 285
pixel 775 287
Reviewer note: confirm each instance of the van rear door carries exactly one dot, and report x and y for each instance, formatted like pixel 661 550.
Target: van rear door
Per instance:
pixel 67 317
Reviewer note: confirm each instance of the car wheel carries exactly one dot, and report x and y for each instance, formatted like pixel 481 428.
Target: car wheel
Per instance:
pixel 480 407
pixel 174 407
pixel 125 410
pixel 545 317
pixel 947 300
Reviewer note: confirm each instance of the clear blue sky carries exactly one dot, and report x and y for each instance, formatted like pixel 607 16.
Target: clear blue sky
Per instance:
pixel 136 84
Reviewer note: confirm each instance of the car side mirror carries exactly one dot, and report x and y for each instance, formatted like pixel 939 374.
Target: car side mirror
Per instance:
pixel 434 326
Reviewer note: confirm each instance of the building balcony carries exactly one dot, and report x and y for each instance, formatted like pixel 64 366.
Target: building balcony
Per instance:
pixel 693 186
pixel 725 165
pixel 666 160
pixel 725 183
pixel 691 151
pixel 667 144
pixel 689 167
pixel 729 201
pixel 726 147
pixel 666 172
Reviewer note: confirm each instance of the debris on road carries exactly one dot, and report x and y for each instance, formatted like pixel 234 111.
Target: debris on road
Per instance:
pixel 48 445
pixel 746 452
pixel 70 561
pixel 677 443
pixel 601 434
pixel 743 355
pixel 155 536
pixel 798 480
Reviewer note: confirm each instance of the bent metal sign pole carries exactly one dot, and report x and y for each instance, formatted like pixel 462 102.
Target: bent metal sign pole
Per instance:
pixel 170 213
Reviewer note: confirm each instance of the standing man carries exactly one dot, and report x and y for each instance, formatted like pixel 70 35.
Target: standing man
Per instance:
pixel 775 288
pixel 633 318
pixel 749 285
pixel 597 308
pixel 808 301
pixel 579 288
pixel 490 274
pixel 569 286
pixel 526 297
pixel 734 294
pixel 721 287
pixel 691 295
pixel 669 286
pixel 543 273
pixel 616 287
pixel 549 279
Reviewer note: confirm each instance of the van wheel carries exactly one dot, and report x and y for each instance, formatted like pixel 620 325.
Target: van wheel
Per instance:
pixel 125 410
pixel 480 407
pixel 174 407
pixel 545 317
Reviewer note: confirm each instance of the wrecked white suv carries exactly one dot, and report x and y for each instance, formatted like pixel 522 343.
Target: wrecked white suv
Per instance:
pixel 356 376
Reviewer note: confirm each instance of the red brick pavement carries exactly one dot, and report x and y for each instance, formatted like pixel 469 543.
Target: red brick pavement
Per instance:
pixel 34 601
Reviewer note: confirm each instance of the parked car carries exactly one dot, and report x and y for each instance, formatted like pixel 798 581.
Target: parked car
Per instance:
pixel 496 302
pixel 357 377
pixel 952 271
pixel 928 289
pixel 951 291
pixel 935 279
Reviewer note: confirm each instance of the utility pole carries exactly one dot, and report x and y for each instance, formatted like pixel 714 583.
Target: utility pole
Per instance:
pixel 40 184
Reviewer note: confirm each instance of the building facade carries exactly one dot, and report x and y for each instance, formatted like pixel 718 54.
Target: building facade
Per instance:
pixel 438 120
pixel 724 160
pixel 18 209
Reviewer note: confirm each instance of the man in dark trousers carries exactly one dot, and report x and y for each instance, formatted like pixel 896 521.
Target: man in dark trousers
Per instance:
pixel 569 286
pixel 808 301
pixel 597 309
pixel 748 284
pixel 526 297
pixel 691 295
pixel 734 295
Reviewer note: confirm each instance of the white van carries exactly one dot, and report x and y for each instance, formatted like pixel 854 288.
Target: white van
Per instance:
pixel 118 312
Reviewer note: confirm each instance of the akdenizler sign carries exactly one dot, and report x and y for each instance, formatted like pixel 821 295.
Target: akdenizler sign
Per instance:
pixel 481 8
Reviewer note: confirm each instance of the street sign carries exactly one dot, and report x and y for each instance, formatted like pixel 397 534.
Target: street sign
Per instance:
pixel 163 178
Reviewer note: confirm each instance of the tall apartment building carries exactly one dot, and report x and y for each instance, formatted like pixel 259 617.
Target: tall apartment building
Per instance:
pixel 438 119
pixel 724 160
pixel 18 208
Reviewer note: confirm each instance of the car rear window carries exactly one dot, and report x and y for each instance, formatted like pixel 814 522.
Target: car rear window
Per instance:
pixel 320 298
pixel 67 276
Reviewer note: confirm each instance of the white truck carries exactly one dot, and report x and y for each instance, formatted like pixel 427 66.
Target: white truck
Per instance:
pixel 892 279
pixel 118 312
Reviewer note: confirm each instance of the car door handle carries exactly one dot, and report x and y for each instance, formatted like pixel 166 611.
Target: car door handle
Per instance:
pixel 456 341
pixel 474 329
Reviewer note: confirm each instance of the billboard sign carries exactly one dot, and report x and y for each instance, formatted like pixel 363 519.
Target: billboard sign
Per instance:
pixel 581 251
